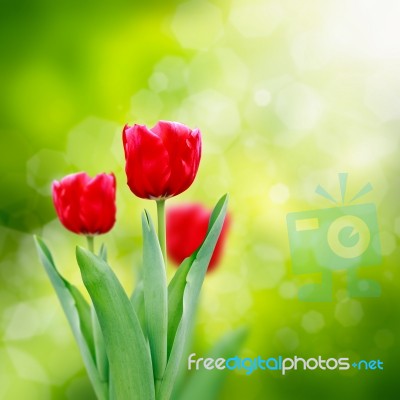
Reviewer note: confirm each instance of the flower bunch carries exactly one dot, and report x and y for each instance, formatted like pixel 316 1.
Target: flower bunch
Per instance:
pixel 133 345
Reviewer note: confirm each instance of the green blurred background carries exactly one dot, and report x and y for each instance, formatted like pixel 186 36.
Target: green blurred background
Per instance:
pixel 287 94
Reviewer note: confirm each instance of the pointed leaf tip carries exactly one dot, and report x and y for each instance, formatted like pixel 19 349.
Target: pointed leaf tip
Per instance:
pixel 146 221
pixel 83 254
pixel 79 251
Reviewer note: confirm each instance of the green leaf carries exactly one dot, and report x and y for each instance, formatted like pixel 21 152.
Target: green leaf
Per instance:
pixel 221 206
pixel 103 252
pixel 207 384
pixel 131 373
pixel 83 309
pixel 137 300
pixel 155 297
pixel 178 283
pixel 194 281
pixel 77 312
pixel 100 349
pixel 175 299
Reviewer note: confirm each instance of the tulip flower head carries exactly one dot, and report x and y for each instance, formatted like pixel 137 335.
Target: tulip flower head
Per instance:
pixel 186 230
pixel 161 162
pixel 86 205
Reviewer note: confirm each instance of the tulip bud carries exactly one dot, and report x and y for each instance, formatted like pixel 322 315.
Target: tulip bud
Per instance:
pixel 186 230
pixel 86 205
pixel 161 162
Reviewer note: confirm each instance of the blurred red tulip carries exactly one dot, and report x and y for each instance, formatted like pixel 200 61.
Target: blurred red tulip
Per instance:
pixel 186 230
pixel 161 162
pixel 86 205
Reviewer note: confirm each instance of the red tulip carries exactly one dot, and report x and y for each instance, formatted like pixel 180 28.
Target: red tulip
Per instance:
pixel 186 230
pixel 86 205
pixel 161 162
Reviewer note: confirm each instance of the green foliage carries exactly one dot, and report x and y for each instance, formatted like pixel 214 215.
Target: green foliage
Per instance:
pixel 100 349
pixel 137 300
pixel 175 299
pixel 119 348
pixel 194 281
pixel 127 350
pixel 283 104
pixel 155 297
pixel 77 312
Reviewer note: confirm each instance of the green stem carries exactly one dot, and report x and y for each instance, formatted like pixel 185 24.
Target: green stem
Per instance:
pixel 90 243
pixel 161 227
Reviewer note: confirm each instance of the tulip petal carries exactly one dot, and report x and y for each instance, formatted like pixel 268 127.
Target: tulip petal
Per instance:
pixel 191 166
pixel 85 205
pixel 97 204
pixel 187 226
pixel 147 162
pixel 66 195
pixel 186 229
pixel 184 151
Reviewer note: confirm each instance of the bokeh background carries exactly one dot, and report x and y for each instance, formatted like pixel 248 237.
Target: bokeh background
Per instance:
pixel 287 95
